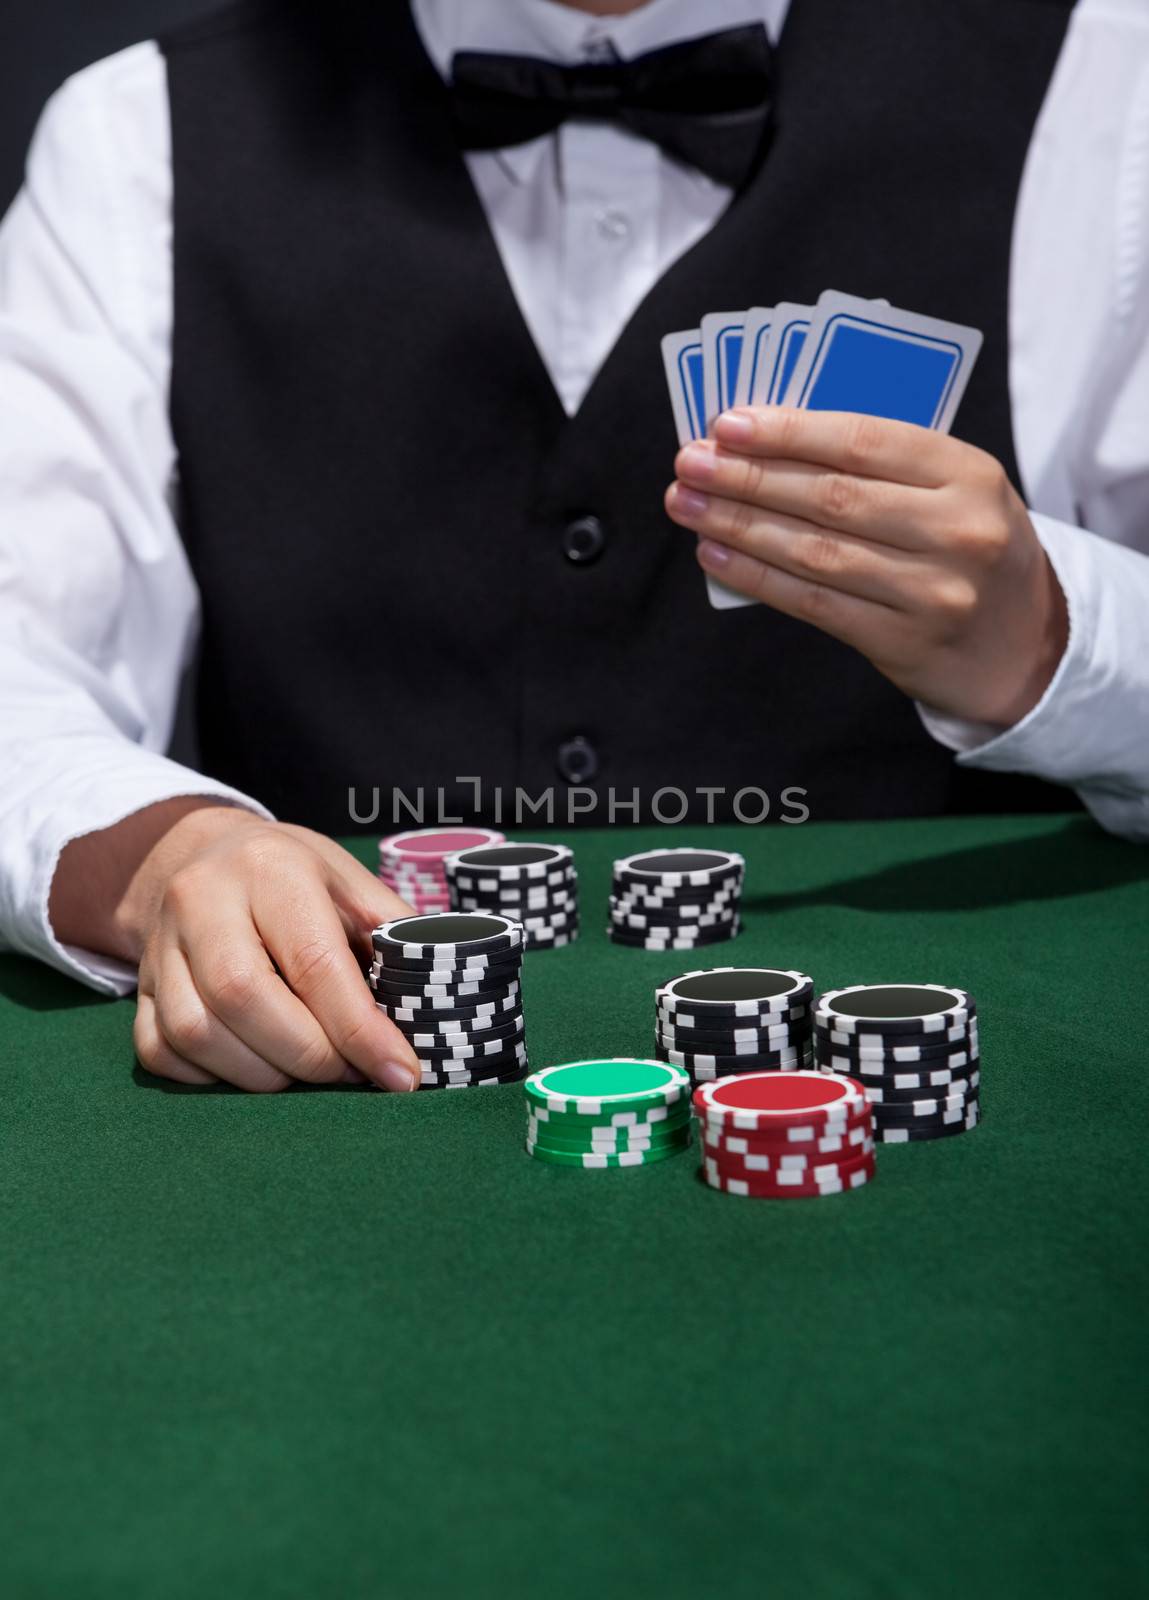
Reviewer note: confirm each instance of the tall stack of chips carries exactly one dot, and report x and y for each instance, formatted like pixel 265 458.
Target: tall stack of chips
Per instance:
pixel 785 1135
pixel 451 985
pixel 535 883
pixel 913 1047
pixel 676 899
pixel 610 1113
pixel 414 863
pixel 735 1019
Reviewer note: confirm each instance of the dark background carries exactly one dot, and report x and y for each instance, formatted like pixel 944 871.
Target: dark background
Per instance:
pixel 43 41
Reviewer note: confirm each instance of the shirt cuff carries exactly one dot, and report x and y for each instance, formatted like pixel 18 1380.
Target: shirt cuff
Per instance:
pixel 115 786
pixel 1089 727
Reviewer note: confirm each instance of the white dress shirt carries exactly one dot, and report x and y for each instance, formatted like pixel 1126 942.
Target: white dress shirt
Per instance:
pixel 98 606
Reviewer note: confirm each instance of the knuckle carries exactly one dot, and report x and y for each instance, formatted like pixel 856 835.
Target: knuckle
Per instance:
pixel 839 496
pixel 820 554
pixel 813 603
pixel 231 989
pixel 314 963
pixel 184 889
pixel 740 520
pixel 861 441
pixel 954 602
pixel 788 425
pixel 316 1063
pixel 266 849
pixel 189 1032
pixel 147 1046
pixel 357 1031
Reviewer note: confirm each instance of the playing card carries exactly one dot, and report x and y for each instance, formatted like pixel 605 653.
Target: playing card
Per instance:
pixel 682 358
pixel 787 340
pixel 755 344
pixel 721 357
pixel 882 361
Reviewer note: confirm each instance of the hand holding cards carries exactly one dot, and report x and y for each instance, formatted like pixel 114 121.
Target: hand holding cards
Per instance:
pixel 844 354
pixel 846 505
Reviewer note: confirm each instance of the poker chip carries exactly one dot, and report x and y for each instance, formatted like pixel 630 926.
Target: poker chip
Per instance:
pixel 863 1044
pixel 457 936
pixel 608 1113
pixel 789 1151
pixel 413 864
pixel 608 1139
pixel 896 1092
pixel 785 1135
pixel 675 899
pixel 723 992
pixel 683 940
pixel 600 1159
pixel 910 1134
pixel 913 1048
pixel 466 1027
pixel 741 1019
pixel 767 1101
pixel 536 884
pixel 724 1065
pixel 753 1187
pixel 886 1009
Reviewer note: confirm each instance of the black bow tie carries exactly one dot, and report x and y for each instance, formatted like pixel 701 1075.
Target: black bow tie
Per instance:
pixel 706 102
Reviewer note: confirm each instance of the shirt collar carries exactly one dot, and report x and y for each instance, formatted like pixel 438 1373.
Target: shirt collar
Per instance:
pixel 561 33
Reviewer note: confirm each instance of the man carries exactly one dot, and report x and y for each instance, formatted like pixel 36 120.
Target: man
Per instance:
pixel 421 449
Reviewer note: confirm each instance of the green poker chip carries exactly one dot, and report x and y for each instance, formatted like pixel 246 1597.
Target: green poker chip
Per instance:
pixel 607 1141
pixel 652 1119
pixel 592 1088
pixel 594 1160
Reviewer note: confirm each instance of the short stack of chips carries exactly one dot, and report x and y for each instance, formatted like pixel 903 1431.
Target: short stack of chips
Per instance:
pixel 451 985
pixel 676 899
pixel 535 883
pixel 608 1113
pixel 413 864
pixel 735 1019
pixel 914 1048
pixel 785 1135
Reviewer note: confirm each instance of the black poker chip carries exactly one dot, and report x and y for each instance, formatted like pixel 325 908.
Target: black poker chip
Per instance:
pixel 922 1046
pixel 681 940
pixel 903 1133
pixel 767 1036
pixel 475 961
pixel 736 991
pixel 894 1008
pixel 435 1016
pixel 436 1038
pixel 453 934
pixel 496 1061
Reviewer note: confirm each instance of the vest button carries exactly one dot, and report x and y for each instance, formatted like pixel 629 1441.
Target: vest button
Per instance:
pixel 584 540
pixel 577 760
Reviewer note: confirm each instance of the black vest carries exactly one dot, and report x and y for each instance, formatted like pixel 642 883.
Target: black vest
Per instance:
pixel 377 475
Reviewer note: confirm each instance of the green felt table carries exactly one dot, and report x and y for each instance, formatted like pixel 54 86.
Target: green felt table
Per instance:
pixel 337 1343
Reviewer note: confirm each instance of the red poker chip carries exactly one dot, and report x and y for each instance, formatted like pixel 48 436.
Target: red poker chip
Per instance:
pixel 759 1101
pixel 780 1169
pixel 802 1140
pixel 818 1148
pixel 757 1189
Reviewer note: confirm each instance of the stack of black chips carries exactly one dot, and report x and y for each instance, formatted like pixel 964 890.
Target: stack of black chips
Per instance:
pixel 451 984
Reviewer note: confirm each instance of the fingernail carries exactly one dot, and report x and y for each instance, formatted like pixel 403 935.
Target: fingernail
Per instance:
pixel 734 427
pixel 697 461
pixel 398 1077
pixel 689 502
pixel 713 555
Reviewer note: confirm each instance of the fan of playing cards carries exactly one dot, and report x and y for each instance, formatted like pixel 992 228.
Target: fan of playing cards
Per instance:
pixel 844 354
